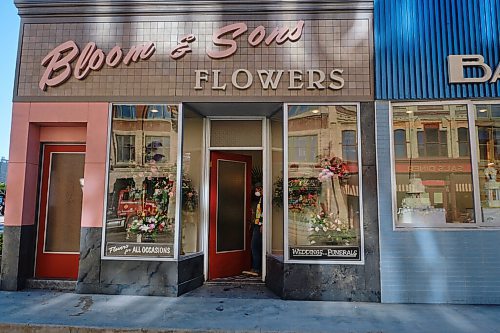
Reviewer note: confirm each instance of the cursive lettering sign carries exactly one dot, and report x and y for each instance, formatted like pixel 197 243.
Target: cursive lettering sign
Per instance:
pixel 256 37
pixel 59 61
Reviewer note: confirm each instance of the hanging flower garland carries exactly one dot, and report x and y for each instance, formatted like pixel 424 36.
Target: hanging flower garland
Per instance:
pixel 333 167
pixel 327 227
pixel 189 195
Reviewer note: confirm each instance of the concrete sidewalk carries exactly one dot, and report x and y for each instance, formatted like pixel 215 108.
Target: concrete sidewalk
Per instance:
pixel 43 311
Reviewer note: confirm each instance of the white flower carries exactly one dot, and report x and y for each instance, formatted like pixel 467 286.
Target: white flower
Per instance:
pixel 316 229
pixel 144 228
pixel 325 229
pixel 338 229
pixel 313 242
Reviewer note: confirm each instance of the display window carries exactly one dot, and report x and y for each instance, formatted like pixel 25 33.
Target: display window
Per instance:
pixel 446 158
pixel 487 128
pixel 323 183
pixel 142 181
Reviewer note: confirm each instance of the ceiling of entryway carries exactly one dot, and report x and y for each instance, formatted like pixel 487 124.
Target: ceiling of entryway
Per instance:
pixel 234 109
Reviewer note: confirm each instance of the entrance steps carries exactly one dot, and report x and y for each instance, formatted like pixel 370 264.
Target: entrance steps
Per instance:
pixel 49 284
pixel 241 286
pixel 238 279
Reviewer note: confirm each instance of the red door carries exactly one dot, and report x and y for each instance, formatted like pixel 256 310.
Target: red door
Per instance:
pixel 230 209
pixel 59 219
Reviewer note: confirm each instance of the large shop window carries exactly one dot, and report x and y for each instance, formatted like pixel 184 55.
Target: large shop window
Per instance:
pixel 488 161
pixel 141 203
pixel 433 166
pixel 324 215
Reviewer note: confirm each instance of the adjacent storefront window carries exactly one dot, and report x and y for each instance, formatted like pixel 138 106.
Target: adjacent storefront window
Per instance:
pixel 141 205
pixel 323 183
pixel 488 160
pixel 433 165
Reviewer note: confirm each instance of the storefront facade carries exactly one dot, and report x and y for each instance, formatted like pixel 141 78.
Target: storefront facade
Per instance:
pixel 151 143
pixel 437 121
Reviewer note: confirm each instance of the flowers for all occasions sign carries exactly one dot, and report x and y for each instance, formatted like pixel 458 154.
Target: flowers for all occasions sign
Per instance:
pixel 114 249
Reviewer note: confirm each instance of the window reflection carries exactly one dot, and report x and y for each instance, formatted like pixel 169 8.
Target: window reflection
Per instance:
pixel 142 180
pixel 433 167
pixel 323 181
pixel 488 145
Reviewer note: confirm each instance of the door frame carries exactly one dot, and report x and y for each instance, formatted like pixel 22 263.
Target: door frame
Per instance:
pixel 40 193
pixel 265 183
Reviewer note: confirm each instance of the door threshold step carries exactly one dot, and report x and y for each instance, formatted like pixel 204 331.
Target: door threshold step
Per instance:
pixel 233 283
pixel 236 280
pixel 51 284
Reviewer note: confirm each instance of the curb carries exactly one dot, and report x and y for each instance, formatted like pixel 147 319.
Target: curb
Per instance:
pixel 39 328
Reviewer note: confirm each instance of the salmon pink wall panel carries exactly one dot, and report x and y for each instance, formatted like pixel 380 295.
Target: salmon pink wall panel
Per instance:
pixel 63 134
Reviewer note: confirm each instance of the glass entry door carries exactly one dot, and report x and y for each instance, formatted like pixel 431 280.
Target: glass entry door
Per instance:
pixel 60 212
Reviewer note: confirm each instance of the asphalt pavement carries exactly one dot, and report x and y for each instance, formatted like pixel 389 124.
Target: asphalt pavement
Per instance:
pixel 44 311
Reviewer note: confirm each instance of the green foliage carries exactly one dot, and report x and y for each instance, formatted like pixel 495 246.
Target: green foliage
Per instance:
pixel 2 186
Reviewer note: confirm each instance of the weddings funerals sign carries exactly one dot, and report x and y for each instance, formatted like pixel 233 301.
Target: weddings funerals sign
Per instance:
pixel 325 253
pixel 255 58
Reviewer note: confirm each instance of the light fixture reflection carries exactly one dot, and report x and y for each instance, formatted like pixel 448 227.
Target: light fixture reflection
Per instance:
pixel 483 110
pixel 315 111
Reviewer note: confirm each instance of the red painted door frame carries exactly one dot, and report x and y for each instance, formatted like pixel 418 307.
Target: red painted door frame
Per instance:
pixel 227 263
pixel 53 265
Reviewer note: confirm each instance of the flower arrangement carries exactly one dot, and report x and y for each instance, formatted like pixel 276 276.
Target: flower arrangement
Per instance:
pixel 302 194
pixel 149 225
pixel 189 195
pixel 333 167
pixel 329 229
pixel 278 192
pixel 163 191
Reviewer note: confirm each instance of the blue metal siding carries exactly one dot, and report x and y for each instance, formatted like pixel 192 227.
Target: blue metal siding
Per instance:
pixel 430 266
pixel 414 37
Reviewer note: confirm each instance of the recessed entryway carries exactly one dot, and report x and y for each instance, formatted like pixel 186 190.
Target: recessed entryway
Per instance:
pixel 59 219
